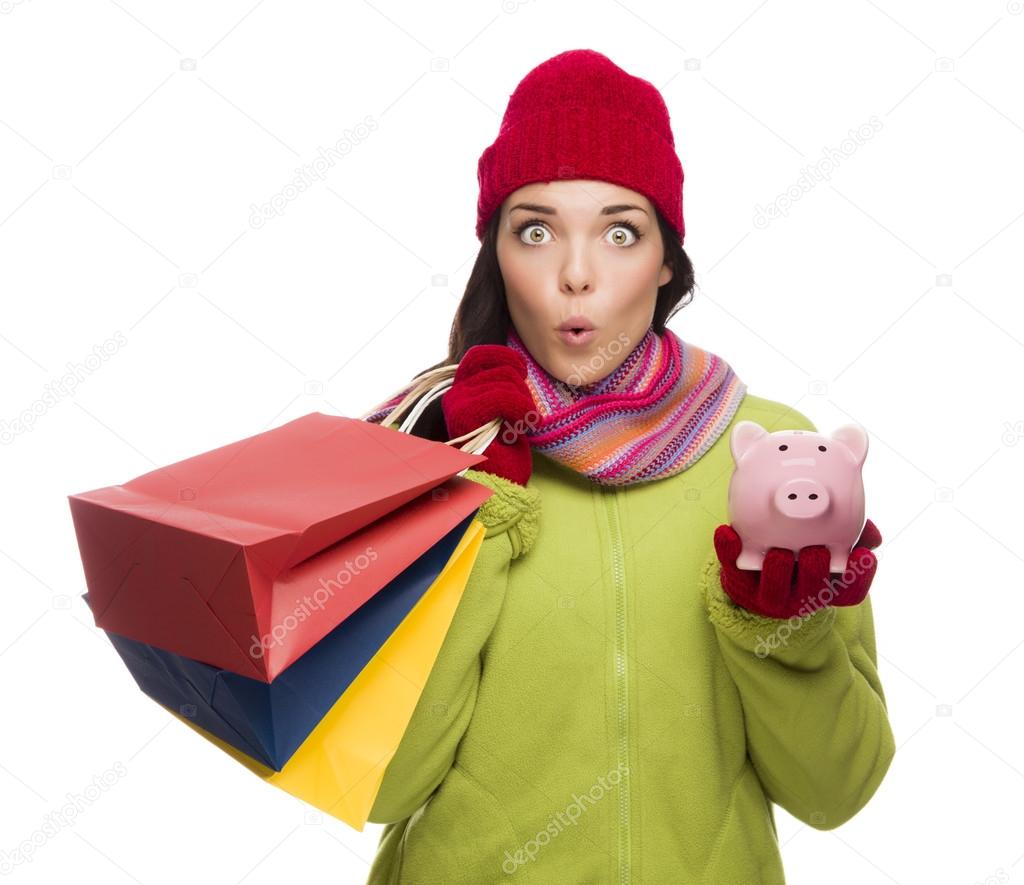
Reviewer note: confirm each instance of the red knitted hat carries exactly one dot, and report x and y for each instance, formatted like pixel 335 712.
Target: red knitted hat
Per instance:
pixel 579 115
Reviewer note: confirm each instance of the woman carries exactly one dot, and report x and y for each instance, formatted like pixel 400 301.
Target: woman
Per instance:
pixel 615 701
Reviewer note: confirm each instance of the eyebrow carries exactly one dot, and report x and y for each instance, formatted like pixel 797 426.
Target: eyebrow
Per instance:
pixel 548 210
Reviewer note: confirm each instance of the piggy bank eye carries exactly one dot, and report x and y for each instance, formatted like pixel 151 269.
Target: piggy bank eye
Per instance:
pixel 783 447
pixel 822 449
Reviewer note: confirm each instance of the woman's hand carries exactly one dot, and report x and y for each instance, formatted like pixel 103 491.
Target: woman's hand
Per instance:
pixel 786 581
pixel 490 382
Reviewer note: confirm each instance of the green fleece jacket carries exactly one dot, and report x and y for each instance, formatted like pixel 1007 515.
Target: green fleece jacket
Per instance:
pixel 600 711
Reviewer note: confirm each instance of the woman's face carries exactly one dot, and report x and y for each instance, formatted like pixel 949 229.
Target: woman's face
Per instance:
pixel 580 248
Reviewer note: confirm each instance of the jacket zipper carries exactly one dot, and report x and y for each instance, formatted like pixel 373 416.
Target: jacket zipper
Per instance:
pixel 621 684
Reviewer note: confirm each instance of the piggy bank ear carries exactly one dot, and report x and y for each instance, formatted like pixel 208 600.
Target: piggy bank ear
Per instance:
pixel 855 438
pixel 744 435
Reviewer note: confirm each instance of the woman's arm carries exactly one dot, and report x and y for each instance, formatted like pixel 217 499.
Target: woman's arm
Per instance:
pixel 818 732
pixel 443 712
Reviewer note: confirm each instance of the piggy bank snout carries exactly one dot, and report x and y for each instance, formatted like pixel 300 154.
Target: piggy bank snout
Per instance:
pixel 802 499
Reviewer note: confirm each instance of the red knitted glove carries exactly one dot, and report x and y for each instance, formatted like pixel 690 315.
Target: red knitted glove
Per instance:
pixel 775 591
pixel 490 382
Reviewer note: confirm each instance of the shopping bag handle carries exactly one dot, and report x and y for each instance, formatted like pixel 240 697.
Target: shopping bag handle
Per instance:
pixel 427 386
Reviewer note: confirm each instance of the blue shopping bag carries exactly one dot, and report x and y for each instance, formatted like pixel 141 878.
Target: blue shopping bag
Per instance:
pixel 269 721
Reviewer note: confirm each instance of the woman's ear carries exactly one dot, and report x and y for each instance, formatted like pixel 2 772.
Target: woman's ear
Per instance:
pixel 665 275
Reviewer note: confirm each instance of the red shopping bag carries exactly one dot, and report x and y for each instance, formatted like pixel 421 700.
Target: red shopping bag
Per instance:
pixel 244 557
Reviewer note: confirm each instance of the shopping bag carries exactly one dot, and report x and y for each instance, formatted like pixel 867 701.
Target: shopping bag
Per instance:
pixel 268 721
pixel 340 766
pixel 246 556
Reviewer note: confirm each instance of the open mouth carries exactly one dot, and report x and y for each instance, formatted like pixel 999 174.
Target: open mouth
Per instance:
pixel 576 334
pixel 577 323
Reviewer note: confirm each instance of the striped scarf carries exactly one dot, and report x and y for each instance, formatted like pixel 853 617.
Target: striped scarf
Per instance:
pixel 654 416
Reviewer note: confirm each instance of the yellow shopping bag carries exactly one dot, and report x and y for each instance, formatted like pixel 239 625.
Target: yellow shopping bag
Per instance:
pixel 340 766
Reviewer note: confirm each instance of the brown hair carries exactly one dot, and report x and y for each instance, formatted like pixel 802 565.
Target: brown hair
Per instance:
pixel 482 316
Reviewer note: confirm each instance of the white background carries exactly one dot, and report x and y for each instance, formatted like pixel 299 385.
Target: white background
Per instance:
pixel 135 138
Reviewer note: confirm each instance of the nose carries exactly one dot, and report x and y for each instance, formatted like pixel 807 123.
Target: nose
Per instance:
pixel 576 273
pixel 801 499
pixel 575 285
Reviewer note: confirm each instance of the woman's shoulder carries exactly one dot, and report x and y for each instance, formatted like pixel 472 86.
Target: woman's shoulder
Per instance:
pixel 771 414
pixel 512 510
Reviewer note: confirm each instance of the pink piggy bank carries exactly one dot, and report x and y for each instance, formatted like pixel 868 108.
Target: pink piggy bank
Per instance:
pixel 795 488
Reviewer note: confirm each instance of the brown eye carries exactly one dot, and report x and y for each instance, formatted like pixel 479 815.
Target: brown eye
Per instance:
pixel 532 233
pixel 783 447
pixel 822 449
pixel 623 235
